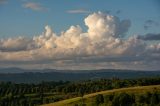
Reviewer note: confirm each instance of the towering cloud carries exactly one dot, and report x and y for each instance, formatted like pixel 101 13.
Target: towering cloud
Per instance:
pixel 100 47
pixel 102 25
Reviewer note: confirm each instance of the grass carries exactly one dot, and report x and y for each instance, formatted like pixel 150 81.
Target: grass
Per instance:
pixel 72 101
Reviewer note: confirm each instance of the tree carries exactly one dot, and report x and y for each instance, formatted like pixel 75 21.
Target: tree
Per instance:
pixel 99 99
pixel 125 99
pixel 115 101
pixel 81 93
pixel 154 99
pixel 141 99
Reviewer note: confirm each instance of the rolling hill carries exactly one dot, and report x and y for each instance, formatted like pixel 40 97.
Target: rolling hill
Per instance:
pixel 88 98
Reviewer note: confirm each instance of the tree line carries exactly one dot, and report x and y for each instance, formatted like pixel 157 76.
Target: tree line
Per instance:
pixel 30 94
pixel 151 98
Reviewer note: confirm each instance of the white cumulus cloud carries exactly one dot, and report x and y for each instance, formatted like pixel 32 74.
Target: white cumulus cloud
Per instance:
pixel 100 47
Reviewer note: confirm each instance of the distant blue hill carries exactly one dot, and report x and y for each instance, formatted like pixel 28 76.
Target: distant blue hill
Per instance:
pixel 18 75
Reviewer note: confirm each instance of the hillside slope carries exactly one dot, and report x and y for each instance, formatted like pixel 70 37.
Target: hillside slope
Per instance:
pixel 134 90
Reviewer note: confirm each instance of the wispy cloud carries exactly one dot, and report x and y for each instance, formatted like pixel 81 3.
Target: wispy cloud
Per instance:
pixel 34 6
pixel 150 23
pixel 78 11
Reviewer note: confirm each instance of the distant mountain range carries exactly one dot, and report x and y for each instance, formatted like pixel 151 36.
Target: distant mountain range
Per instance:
pixel 34 76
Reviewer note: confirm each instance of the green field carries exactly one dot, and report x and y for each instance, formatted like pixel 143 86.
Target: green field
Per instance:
pixel 88 98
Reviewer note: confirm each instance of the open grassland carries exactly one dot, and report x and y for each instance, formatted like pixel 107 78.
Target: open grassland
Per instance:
pixel 88 98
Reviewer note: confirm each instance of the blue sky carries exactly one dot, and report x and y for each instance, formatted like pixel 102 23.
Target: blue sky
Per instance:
pixel 80 34
pixel 16 20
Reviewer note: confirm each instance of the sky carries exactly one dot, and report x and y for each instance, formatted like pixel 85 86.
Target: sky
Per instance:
pixel 80 34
